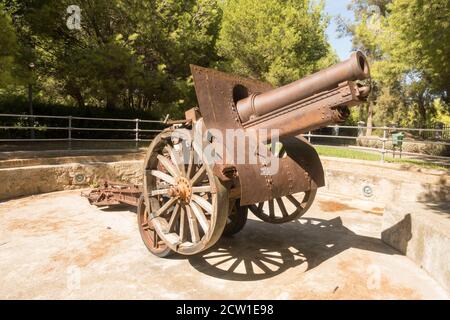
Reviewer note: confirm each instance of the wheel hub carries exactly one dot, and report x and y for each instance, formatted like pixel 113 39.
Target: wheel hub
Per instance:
pixel 181 189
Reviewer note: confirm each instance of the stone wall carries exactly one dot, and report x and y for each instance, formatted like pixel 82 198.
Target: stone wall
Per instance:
pixel 23 181
pixel 385 183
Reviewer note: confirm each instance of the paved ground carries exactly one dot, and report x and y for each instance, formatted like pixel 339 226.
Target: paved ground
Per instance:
pixel 58 246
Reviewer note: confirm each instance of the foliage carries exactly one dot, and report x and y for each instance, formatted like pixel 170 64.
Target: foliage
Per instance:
pixel 128 52
pixel 8 46
pixel 133 55
pixel 371 156
pixel 408 45
pixel 277 41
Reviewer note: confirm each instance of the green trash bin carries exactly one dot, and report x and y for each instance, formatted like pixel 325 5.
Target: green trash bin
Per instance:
pixel 397 142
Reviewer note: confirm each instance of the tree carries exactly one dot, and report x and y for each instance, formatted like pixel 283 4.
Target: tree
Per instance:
pixel 277 41
pixel 127 53
pixel 420 41
pixel 408 45
pixel 8 47
pixel 366 29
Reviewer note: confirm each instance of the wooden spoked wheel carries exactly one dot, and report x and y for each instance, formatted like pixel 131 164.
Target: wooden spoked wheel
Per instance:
pixel 188 204
pixel 148 233
pixel 289 207
pixel 236 219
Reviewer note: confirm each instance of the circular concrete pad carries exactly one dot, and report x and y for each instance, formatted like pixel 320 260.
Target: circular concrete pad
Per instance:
pixel 57 246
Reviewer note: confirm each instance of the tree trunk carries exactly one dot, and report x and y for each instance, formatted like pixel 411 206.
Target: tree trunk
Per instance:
pixel 75 93
pixel 110 103
pixel 422 113
pixel 369 119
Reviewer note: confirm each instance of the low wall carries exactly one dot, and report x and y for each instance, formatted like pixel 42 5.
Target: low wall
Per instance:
pixel 421 231
pixel 23 181
pixel 385 183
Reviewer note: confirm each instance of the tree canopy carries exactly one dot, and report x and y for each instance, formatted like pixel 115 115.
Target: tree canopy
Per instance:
pixel 8 47
pixel 278 41
pixel 135 55
pixel 408 43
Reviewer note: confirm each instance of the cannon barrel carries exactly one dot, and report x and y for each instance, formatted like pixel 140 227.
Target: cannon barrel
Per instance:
pixel 316 101
pixel 354 68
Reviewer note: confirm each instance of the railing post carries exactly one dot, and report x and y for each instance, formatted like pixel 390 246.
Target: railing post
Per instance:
pixel 309 137
pixel 361 128
pixel 137 135
pixel 69 135
pixel 383 149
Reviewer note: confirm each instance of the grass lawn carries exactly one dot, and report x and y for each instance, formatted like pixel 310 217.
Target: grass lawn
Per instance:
pixel 369 156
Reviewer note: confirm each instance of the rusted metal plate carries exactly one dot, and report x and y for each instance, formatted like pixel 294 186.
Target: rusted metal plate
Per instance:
pixel 217 94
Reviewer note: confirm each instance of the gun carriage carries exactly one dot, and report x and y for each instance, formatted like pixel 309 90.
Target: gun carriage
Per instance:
pixel 190 199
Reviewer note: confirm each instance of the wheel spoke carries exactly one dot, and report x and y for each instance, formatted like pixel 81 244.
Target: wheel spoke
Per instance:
pixel 256 209
pixel 191 164
pixel 168 165
pixel 165 207
pixel 155 239
pixel 199 175
pixel 200 217
pixel 271 208
pixel 203 203
pixel 202 189
pixel 282 207
pixel 293 200
pixel 174 156
pixel 182 224
pixel 173 218
pixel 253 208
pixel 145 226
pixel 193 227
pixel 159 192
pixel 163 176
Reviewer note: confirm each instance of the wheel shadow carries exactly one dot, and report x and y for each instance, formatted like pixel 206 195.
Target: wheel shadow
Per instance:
pixel 263 251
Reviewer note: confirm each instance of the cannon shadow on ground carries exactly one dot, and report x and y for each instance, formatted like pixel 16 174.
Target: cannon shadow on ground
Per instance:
pixel 263 251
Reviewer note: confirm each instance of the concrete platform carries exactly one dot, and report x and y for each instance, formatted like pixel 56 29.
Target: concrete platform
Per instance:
pixel 58 246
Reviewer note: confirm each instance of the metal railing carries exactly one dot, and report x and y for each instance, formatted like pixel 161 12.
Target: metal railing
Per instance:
pixel 138 130
pixel 385 138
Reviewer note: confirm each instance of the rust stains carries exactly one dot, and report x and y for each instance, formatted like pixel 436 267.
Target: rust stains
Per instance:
pixel 94 251
pixel 356 284
pixel 334 206
pixel 37 226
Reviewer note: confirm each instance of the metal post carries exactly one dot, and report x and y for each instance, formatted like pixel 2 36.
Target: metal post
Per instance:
pixel 30 107
pixel 70 133
pixel 309 137
pixel 30 98
pixel 383 150
pixel 137 135
pixel 361 128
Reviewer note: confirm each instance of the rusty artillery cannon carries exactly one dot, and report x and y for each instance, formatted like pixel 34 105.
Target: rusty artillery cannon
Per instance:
pixel 190 200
